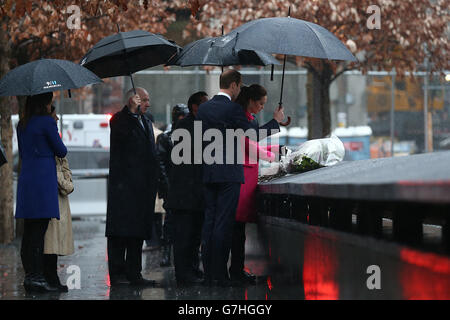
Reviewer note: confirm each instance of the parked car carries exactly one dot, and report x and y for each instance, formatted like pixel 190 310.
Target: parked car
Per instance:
pixel 90 169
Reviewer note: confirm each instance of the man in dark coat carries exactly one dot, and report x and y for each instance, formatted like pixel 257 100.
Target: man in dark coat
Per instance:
pixel 222 181
pixel 164 147
pixel 133 176
pixel 185 200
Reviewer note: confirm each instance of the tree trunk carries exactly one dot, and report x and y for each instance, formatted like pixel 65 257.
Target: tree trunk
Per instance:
pixel 6 173
pixel 318 96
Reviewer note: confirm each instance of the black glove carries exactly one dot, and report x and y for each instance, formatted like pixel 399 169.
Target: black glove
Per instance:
pixel 282 151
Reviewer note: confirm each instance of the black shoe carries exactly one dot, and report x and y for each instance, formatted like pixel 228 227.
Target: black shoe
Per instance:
pixel 244 277
pixel 63 288
pixel 224 283
pixel 58 285
pixel 141 282
pixel 37 283
pixel 118 281
pixel 53 281
pixel 198 273
pixel 189 281
pixel 206 282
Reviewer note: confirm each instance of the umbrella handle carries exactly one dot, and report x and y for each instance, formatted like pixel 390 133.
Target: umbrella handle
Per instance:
pixel 287 122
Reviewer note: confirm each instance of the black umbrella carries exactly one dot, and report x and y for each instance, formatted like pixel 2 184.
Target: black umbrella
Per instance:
pixel 203 52
pixel 45 75
pixel 288 36
pixel 124 53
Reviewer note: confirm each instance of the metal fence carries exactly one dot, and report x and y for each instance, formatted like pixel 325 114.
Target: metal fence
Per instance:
pixel 407 115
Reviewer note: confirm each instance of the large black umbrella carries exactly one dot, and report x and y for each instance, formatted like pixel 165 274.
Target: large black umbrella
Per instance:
pixel 203 52
pixel 45 75
pixel 288 36
pixel 124 53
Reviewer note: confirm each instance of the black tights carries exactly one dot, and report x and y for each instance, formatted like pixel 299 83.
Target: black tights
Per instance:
pixel 32 248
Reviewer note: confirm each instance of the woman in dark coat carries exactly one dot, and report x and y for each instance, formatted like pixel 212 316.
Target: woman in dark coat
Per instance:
pixel 37 187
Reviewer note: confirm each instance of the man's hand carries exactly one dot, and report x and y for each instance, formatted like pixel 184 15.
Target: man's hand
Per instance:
pixel 278 114
pixel 134 102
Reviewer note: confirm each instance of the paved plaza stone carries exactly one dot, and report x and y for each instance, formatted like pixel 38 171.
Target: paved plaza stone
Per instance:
pixel 91 257
pixel 292 261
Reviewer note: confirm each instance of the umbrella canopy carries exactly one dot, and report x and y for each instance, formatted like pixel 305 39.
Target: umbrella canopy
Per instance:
pixel 45 75
pixel 290 36
pixel 203 52
pixel 124 53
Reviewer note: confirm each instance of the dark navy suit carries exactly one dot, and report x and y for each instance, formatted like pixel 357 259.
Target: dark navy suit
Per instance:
pixel 222 183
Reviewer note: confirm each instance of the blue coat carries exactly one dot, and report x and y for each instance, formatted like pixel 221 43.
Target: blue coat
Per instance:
pixel 37 187
pixel 222 114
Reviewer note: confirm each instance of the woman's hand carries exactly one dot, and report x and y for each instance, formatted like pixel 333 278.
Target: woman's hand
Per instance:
pixel 278 114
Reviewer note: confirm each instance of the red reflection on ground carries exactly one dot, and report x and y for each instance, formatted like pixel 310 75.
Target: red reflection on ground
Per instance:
pixel 319 270
pixel 269 283
pixel 427 260
pixel 424 276
pixel 107 280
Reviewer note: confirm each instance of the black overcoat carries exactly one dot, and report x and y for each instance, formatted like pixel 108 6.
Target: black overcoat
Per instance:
pixel 133 177
pixel 186 179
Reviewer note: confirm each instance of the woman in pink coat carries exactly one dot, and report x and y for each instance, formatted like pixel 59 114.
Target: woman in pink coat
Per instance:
pixel 252 99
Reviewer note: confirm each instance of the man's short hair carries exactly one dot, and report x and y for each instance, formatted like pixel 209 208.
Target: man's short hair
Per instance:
pixel 196 98
pixel 228 77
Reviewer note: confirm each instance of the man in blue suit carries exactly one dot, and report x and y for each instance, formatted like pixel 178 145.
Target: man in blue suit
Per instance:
pixel 222 181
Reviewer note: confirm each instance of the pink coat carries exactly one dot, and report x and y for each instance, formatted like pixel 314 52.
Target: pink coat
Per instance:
pixel 246 211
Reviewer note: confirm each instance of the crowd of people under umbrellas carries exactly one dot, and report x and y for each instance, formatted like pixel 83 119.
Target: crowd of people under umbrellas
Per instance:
pixel 207 203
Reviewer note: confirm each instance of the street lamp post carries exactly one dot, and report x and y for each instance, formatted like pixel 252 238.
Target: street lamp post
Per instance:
pixel 393 74
pixel 425 106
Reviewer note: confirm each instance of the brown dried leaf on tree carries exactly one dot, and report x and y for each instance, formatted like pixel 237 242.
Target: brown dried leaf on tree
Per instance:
pixel 195 6
pixel 20 8
pixel 405 26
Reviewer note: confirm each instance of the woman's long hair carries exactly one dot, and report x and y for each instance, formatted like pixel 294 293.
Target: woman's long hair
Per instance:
pixel 254 92
pixel 35 106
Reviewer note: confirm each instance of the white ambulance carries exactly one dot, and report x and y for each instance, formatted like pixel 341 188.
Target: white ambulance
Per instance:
pixel 83 130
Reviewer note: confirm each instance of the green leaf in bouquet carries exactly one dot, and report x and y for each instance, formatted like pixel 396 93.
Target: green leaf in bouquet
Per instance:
pixel 302 164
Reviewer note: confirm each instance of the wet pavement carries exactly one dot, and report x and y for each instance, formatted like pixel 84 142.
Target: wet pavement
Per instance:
pixel 91 258
pixel 293 261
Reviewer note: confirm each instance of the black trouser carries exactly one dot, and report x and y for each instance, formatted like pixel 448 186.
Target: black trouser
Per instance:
pixel 238 248
pixel 167 234
pixel 51 268
pixel 187 227
pixel 221 200
pixel 156 231
pixel 32 247
pixel 124 258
